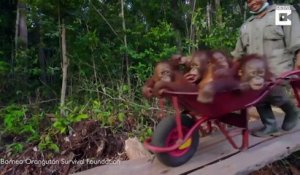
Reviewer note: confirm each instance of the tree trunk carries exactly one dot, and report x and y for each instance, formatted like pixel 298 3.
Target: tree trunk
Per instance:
pixel 21 33
pixel 241 4
pixel 17 29
pixel 125 43
pixel 42 60
pixel 65 64
pixel 245 11
pixel 208 10
pixel 217 4
pixel 186 27
pixel 218 11
pixel 192 27
pixel 243 8
pixel 95 74
pixel 14 55
pixel 178 24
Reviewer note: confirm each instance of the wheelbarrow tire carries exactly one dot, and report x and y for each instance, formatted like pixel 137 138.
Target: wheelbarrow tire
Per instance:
pixel 161 134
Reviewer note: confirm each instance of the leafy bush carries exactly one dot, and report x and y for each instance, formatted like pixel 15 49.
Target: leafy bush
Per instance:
pixel 47 144
pixel 16 121
pixel 221 35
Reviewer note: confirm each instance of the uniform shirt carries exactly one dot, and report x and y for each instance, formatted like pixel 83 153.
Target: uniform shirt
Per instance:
pixel 277 43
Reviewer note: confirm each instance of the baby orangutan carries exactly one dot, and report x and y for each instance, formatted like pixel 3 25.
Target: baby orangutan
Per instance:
pixel 162 72
pixel 166 77
pixel 195 65
pixel 252 71
pixel 198 66
pixel 218 77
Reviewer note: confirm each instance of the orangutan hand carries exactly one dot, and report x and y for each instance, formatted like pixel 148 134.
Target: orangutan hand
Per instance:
pixel 147 92
pixel 190 77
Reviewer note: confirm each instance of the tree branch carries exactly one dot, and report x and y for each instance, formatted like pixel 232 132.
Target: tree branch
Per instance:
pixel 112 29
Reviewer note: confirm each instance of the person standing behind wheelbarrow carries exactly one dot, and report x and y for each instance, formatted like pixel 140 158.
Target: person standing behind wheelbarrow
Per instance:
pixel 281 45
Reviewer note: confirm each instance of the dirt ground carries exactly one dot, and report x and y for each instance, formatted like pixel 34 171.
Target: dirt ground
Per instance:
pixel 287 166
pixel 88 146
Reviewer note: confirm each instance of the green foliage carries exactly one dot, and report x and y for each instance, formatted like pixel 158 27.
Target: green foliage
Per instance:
pixel 145 133
pixel 4 68
pixel 13 118
pixel 18 122
pixel 61 124
pixel 72 116
pixel 221 37
pixel 142 72
pixel 110 113
pixel 47 144
pixel 223 32
pixel 143 129
pixel 16 147
pixel 159 43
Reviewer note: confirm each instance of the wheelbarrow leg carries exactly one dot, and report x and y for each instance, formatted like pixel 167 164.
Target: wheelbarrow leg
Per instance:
pixel 245 143
pixel 238 120
pixel 178 117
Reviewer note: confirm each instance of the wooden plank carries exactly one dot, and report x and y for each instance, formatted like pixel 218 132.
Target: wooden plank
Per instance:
pixel 212 148
pixel 255 157
pixel 208 150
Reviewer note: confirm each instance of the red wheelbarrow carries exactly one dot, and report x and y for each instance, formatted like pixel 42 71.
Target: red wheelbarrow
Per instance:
pixel 175 139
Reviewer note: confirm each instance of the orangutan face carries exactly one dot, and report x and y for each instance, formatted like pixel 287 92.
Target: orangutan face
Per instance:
pixel 163 72
pixel 198 66
pixel 220 60
pixel 254 72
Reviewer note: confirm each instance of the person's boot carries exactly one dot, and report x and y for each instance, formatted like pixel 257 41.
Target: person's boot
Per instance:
pixel 291 116
pixel 268 119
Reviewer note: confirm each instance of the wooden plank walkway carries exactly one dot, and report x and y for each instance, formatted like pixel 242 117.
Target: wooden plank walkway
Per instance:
pixel 214 153
pixel 256 157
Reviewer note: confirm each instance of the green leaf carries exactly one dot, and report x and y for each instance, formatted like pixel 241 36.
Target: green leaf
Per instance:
pixel 121 117
pixel 17 147
pixel 149 131
pixel 125 88
pixel 54 147
pixel 80 117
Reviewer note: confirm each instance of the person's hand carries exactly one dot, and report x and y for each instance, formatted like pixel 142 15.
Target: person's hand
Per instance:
pixel 297 63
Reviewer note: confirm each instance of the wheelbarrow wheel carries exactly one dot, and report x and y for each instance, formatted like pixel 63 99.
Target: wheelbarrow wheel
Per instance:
pixel 166 135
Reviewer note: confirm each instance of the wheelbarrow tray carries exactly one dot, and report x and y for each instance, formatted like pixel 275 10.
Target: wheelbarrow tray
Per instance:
pixel 223 103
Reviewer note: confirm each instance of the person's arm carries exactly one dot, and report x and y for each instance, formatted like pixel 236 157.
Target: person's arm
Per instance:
pixel 239 50
pixel 297 62
pixel 292 37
